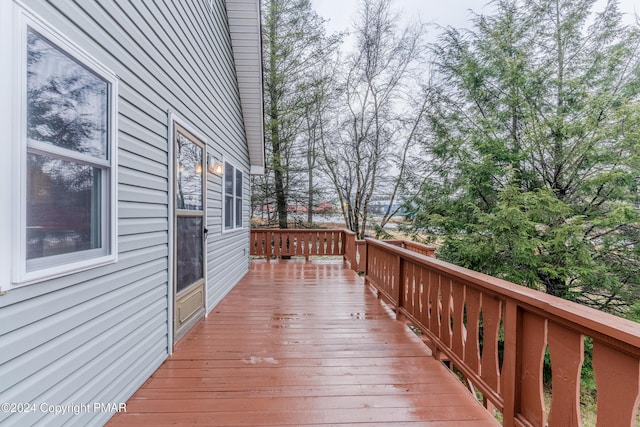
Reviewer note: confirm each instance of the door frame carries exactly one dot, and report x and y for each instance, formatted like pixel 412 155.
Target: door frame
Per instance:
pixel 173 120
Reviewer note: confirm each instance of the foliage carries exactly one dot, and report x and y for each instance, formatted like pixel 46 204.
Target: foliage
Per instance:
pixel 378 116
pixel 535 139
pixel 295 45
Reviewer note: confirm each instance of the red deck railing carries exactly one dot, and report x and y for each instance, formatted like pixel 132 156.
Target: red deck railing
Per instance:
pixel 494 332
pixel 279 243
pixel 305 243
pixel 464 314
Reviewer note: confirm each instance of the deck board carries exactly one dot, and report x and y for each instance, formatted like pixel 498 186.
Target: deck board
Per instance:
pixel 302 343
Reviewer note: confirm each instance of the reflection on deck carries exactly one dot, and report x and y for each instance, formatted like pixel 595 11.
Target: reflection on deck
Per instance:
pixel 302 343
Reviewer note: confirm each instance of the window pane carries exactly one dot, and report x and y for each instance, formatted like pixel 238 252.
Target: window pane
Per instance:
pixel 228 179
pixel 189 179
pixel 238 198
pixel 63 207
pixel 67 104
pixel 238 183
pixel 228 212
pixel 189 260
pixel 238 212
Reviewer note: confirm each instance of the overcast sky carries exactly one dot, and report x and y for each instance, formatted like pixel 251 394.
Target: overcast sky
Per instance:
pixel 340 13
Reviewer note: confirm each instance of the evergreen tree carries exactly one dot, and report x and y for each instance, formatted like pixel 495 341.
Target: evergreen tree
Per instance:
pixel 535 124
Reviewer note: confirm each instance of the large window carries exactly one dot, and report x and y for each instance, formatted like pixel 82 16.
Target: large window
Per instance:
pixel 68 169
pixel 232 197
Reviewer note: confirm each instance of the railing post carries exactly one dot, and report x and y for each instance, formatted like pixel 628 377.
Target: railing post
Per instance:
pixel 268 238
pixel 305 246
pixel 349 244
pixel 509 375
pixel 352 252
pixel 616 375
pixel 366 262
pixel 399 286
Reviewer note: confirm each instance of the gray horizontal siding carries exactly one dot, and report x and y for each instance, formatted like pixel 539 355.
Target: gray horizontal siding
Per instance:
pixel 141 179
pixel 132 193
pixel 245 35
pixel 126 260
pixel 227 274
pixel 142 225
pixel 63 333
pixel 96 335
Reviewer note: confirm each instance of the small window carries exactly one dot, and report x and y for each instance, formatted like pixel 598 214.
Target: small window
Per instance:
pixel 68 220
pixel 238 199
pixel 232 197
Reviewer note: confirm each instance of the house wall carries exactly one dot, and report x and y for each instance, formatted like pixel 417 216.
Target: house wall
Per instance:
pixel 247 48
pixel 97 335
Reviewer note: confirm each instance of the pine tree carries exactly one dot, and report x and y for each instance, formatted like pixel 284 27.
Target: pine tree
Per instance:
pixel 535 124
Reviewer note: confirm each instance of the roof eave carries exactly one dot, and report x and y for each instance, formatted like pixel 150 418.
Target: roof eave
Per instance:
pixel 246 42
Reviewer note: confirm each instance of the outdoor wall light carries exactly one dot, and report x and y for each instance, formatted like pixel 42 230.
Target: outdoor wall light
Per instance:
pixel 214 166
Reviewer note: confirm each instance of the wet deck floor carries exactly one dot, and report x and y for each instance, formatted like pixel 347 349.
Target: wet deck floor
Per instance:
pixel 302 343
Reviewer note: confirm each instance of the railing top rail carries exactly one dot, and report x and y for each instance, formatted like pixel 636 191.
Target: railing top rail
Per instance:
pixel 562 311
pixel 412 243
pixel 300 230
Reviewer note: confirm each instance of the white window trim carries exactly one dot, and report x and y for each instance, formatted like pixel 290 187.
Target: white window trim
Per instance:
pixel 85 259
pixel 7 164
pixel 234 228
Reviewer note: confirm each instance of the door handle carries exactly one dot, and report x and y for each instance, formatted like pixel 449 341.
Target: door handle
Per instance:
pixel 206 233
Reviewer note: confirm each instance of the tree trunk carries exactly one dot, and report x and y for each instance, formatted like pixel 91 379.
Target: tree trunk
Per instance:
pixel 281 199
pixel 554 286
pixel 310 199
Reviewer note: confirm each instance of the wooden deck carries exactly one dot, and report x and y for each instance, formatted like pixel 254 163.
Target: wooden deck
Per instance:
pixel 302 343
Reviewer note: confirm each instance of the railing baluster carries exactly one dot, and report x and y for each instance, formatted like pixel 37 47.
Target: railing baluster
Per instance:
pixel 437 308
pixel 324 243
pixel 327 243
pixel 316 243
pixel 534 328
pixel 457 343
pixel 490 365
pixel 445 321
pixel 334 243
pixel 617 381
pixel 293 251
pixel 423 301
pixel 415 288
pixel 472 343
pixel 566 349
pixel 432 287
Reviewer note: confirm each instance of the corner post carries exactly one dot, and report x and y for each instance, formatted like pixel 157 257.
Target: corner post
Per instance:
pixel 510 368
pixel 268 238
pixel 366 262
pixel 400 286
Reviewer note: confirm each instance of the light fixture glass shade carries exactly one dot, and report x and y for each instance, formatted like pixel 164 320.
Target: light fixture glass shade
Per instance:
pixel 214 166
